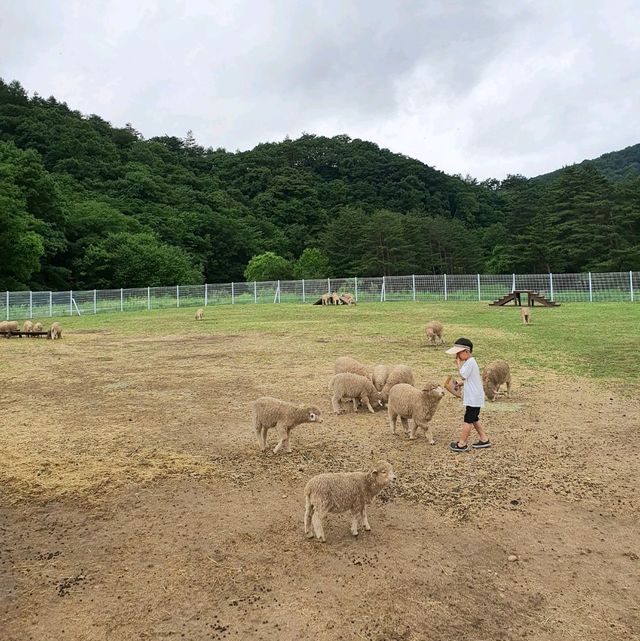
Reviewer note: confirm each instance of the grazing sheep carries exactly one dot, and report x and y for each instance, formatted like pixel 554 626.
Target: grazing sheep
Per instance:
pixel 399 374
pixel 8 327
pixel 525 314
pixel 351 365
pixel 343 492
pixel 405 401
pixel 347 299
pixel 37 327
pixel 271 412
pixel 55 331
pixel 335 299
pixel 493 376
pixel 355 387
pixel 379 376
pixel 200 314
pixel 454 386
pixel 3 326
pixel 433 330
pixel 27 327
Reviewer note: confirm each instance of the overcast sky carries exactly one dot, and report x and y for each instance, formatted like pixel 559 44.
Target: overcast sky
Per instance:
pixel 469 86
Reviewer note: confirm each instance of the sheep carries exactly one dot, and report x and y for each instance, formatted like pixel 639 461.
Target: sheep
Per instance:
pixel 8 327
pixel 347 298
pixel 379 376
pixel 454 386
pixel 348 364
pixel 525 314
pixel 433 330
pixel 353 386
pixel 200 314
pixel 399 374
pixel 37 327
pixel 326 298
pixel 55 331
pixel 405 401
pixel 27 327
pixel 343 492
pixel 3 326
pixel 271 412
pixel 335 299
pixel 493 376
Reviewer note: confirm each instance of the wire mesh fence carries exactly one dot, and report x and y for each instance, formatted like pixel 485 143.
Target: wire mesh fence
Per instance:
pixel 584 287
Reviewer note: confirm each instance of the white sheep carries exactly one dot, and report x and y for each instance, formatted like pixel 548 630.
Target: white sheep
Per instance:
pixel 271 412
pixel 493 376
pixel 399 374
pixel 348 364
pixel 200 314
pixel 525 314
pixel 326 299
pixel 433 330
pixel 405 401
pixel 8 327
pixel 27 327
pixel 37 327
pixel 343 492
pixel 347 298
pixel 355 387
pixel 379 376
pixel 55 331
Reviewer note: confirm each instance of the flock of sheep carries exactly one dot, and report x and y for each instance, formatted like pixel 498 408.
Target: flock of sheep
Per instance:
pixel 9 328
pixel 352 383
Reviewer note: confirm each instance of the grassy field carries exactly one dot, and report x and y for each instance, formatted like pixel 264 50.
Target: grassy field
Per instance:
pixel 135 503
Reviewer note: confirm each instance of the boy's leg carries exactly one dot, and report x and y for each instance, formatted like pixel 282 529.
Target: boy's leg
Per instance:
pixel 464 434
pixel 481 433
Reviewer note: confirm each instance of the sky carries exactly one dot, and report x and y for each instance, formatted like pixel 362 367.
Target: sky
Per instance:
pixel 479 87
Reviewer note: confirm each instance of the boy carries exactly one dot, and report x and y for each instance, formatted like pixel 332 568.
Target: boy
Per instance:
pixel 473 396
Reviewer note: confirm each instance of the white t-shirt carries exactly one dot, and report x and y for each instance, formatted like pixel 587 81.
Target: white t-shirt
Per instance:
pixel 473 392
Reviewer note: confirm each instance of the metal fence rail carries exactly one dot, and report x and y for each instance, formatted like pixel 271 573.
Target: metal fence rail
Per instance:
pixel 587 287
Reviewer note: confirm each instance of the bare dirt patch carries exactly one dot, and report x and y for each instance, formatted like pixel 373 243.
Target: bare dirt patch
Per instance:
pixel 136 505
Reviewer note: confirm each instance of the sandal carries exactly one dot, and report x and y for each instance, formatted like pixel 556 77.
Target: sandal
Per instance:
pixel 478 445
pixel 454 447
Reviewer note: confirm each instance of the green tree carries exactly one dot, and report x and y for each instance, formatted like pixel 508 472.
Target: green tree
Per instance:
pixel 268 266
pixel 311 264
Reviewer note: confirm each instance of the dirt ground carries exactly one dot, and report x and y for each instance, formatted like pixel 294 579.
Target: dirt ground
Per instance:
pixel 135 503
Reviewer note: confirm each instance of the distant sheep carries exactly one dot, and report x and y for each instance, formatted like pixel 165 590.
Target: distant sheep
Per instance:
pixel 271 412
pixel 525 314
pixel 8 326
pixel 433 330
pixel 326 299
pixel 407 402
pixel 493 376
pixel 379 376
pixel 37 327
pixel 347 298
pixel 348 364
pixel 399 374
pixel 27 326
pixel 335 299
pixel 55 331
pixel 4 326
pixel 355 387
pixel 200 314
pixel 343 492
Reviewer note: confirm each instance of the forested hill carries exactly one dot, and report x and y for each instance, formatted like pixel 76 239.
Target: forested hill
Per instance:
pixel 616 165
pixel 84 204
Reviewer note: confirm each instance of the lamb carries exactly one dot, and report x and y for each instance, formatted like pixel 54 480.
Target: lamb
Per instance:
pixel 405 401
pixel 399 374
pixel 343 492
pixel 433 330
pixel 525 314
pixel 200 314
pixel 379 376
pixel 27 327
pixel 55 331
pixel 37 327
pixel 348 364
pixel 271 412
pixel 493 376
pixel 354 387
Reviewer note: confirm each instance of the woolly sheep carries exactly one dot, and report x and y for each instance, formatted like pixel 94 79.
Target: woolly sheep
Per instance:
pixel 343 492
pixel 37 327
pixel 399 374
pixel 347 298
pixel 348 364
pixel 9 326
pixel 4 326
pixel 271 412
pixel 55 331
pixel 355 387
pixel 27 326
pixel 379 376
pixel 525 314
pixel 325 298
pixel 200 314
pixel 493 376
pixel 335 299
pixel 405 401
pixel 433 330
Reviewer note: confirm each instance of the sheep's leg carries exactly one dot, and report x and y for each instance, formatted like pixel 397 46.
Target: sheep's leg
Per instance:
pixel 283 442
pixel 316 521
pixel 287 442
pixel 509 388
pixel 264 438
pixel 355 404
pixel 365 399
pixel 411 429
pixel 308 513
pixel 354 523
pixel 365 520
pixel 392 421
pixel 335 403
pixel 429 433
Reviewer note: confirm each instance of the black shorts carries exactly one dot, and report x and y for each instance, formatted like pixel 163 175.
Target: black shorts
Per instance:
pixel 471 414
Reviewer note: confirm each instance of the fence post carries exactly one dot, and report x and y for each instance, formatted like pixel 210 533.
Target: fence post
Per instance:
pixel 255 292
pixel 233 293
pixel 328 285
pixel 631 284
pixel 550 285
pixel 590 289
pixel 50 303
pixel 413 278
pixel 31 304
pixel 382 292
pixel 479 297
pixel 70 302
pixel 148 297
pixel 8 305
pixel 278 291
pixel 95 302
pixel 304 299
pixel 355 282
pixel 177 295
pixel 445 286
pixel 513 282
pixel 206 295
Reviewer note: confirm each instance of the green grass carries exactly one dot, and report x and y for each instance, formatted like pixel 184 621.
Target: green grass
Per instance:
pixel 600 341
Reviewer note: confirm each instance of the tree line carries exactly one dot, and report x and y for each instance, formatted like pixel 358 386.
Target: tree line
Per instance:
pixel 87 205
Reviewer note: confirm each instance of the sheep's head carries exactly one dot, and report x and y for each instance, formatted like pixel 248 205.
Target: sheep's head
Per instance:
pixel 314 415
pixel 382 473
pixel 433 390
pixel 376 399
